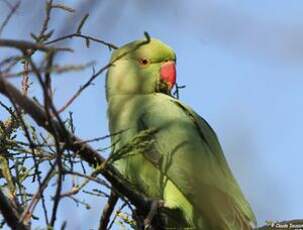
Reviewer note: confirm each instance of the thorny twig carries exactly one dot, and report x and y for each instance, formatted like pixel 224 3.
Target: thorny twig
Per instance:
pixel 84 150
pixel 25 78
pixel 50 119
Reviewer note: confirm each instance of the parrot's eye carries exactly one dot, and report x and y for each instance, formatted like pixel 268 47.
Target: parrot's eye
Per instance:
pixel 143 61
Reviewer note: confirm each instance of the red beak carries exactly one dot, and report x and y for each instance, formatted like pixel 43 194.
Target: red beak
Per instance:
pixel 168 73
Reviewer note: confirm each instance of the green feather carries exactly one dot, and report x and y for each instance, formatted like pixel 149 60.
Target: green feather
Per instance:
pixel 183 164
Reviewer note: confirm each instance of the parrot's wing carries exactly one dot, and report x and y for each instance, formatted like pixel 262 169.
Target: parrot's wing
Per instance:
pixel 192 160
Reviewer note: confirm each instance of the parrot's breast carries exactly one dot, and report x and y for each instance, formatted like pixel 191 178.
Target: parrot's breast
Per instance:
pixel 180 161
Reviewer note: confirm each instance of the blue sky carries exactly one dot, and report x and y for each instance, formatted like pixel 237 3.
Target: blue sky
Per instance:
pixel 241 62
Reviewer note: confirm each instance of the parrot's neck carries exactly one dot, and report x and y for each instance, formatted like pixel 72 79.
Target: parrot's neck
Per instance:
pixel 118 98
pixel 121 104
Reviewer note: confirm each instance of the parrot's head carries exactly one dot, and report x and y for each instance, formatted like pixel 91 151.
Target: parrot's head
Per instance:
pixel 141 68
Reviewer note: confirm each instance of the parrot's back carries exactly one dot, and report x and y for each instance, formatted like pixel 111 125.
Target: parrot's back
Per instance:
pixel 183 164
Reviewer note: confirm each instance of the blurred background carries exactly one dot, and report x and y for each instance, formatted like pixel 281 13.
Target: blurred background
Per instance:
pixel 241 62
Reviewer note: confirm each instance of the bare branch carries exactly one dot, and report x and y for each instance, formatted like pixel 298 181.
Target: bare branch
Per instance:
pixel 87 37
pixel 95 75
pixel 25 78
pixel 155 206
pixel 28 212
pixel 54 69
pixel 25 45
pixel 84 150
pixel 10 214
pixel 108 210
pixel 63 7
pixel 9 16
pixel 48 9
pixel 81 24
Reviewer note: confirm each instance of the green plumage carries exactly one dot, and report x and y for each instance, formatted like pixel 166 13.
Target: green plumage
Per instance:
pixel 184 164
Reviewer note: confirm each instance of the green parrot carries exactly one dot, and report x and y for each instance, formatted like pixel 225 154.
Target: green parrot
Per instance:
pixel 184 165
